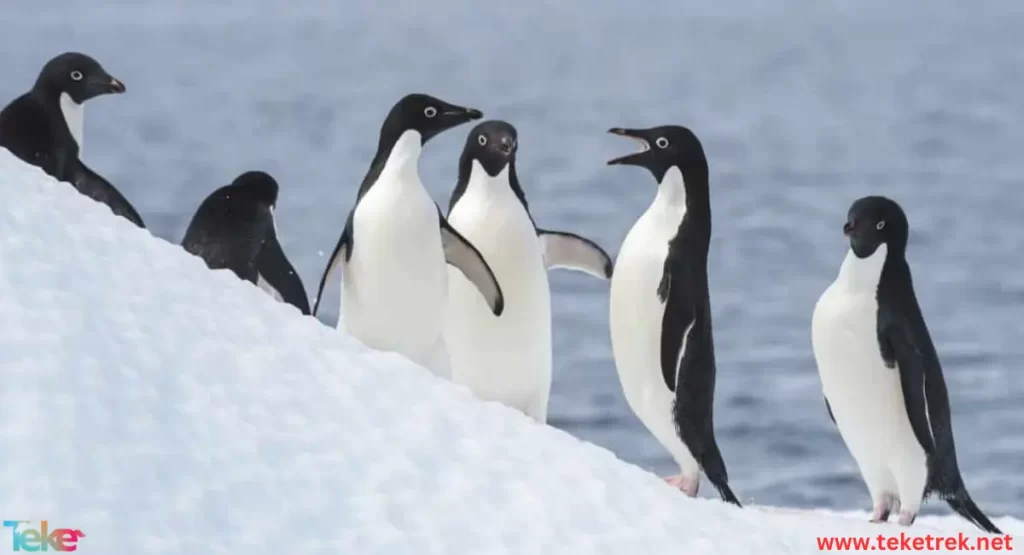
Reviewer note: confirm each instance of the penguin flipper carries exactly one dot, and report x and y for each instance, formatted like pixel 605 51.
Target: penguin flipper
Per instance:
pixel 94 186
pixel 273 266
pixel 463 255
pixel 677 323
pixel 342 253
pixel 573 252
pixel 897 345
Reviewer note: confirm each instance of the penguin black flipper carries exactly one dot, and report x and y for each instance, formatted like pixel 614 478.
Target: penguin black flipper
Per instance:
pixel 25 130
pixel 94 186
pixel 688 366
pixel 569 251
pixel 461 254
pixel 273 266
pixel 904 340
pixel 899 350
pixel 342 252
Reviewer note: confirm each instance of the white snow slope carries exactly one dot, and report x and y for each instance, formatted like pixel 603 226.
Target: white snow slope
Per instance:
pixel 160 407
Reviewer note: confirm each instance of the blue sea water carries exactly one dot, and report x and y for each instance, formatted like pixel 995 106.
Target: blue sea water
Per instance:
pixel 802 106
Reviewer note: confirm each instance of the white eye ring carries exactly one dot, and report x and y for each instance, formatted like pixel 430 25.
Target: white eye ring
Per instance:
pixel 880 225
pixel 662 142
pixel 430 111
pixel 482 139
pixel 76 75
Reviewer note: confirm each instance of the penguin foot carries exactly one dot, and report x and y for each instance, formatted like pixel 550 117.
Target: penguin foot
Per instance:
pixel 685 485
pixel 884 508
pixel 907 518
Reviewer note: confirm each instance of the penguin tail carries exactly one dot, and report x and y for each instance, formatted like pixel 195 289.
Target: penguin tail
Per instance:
pixel 714 467
pixel 962 503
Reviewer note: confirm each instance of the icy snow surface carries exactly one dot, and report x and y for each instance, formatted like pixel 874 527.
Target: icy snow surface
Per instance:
pixel 160 407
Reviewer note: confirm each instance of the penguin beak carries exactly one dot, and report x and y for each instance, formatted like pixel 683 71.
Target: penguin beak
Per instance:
pixel 848 228
pixel 637 158
pixel 506 146
pixel 459 115
pixel 115 86
pixel 105 84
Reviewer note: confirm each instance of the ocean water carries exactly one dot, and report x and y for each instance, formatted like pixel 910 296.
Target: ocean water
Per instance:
pixel 802 107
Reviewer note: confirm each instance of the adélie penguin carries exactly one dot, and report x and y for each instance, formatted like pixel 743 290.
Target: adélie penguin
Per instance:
pixel 395 244
pixel 660 308
pixel 44 127
pixel 880 372
pixel 507 359
pixel 234 229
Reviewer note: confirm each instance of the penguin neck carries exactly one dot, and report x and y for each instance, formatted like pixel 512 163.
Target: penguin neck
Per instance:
pixel 862 275
pixel 401 160
pixel 74 118
pixel 685 196
pixel 60 107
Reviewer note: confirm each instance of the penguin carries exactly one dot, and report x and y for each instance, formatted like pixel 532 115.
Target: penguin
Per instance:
pixel 395 244
pixel 44 126
pixel 880 373
pixel 234 229
pixel 660 308
pixel 507 359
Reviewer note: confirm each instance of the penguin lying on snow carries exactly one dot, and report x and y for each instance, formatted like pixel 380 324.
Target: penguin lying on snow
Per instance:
pixel 395 244
pixel 234 229
pixel 660 309
pixel 44 126
pixel 507 359
pixel 881 375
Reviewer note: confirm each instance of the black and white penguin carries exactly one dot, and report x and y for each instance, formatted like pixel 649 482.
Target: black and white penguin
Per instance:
pixel 881 375
pixel 660 309
pixel 507 359
pixel 44 126
pixel 234 229
pixel 396 242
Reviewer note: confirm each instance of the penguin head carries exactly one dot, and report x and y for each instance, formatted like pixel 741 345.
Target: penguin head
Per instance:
pixel 661 148
pixel 493 144
pixel 426 115
pixel 258 186
pixel 79 76
pixel 873 221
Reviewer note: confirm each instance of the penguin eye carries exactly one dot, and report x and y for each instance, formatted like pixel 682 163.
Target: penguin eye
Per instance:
pixel 880 225
pixel 76 75
pixel 662 142
pixel 482 139
pixel 430 111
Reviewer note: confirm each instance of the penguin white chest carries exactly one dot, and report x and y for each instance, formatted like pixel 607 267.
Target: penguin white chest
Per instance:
pixel 74 116
pixel 865 396
pixel 636 314
pixel 395 282
pixel 508 358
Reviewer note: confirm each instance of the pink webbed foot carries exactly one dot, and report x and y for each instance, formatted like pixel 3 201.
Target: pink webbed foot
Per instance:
pixel 907 518
pixel 686 485
pixel 884 508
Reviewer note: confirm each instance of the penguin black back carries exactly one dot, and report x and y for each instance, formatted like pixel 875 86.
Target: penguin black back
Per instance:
pixel 230 227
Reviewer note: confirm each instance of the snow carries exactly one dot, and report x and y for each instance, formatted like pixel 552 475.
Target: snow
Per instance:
pixel 161 407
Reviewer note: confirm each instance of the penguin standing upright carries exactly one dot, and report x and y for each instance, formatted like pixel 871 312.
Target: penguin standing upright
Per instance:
pixel 44 126
pixel 660 308
pixel 880 372
pixel 396 242
pixel 507 359
pixel 234 229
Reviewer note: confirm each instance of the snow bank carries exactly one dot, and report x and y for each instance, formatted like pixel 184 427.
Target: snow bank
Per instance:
pixel 160 407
